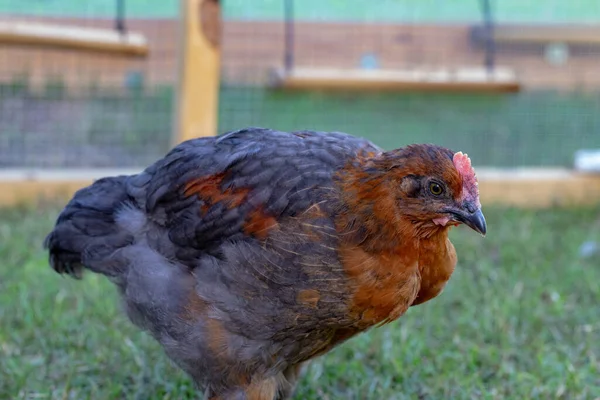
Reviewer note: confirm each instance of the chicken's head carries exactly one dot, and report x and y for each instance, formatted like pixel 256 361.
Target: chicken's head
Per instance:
pixel 437 187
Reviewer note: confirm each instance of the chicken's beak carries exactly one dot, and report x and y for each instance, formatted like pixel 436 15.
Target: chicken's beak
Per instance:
pixel 474 220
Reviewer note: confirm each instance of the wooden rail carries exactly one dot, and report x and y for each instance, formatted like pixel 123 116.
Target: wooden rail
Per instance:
pixel 526 187
pixel 435 79
pixel 543 34
pixel 73 37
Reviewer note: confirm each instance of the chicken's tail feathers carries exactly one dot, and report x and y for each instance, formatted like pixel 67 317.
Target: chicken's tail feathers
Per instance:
pixel 86 234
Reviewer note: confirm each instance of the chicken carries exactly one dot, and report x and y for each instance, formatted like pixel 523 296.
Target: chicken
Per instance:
pixel 248 254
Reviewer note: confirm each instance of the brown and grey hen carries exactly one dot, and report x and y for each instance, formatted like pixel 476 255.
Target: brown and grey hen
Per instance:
pixel 248 254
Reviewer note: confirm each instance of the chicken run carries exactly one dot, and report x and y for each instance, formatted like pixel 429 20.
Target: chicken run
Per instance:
pixel 270 200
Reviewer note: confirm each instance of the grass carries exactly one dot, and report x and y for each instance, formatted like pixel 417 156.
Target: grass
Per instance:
pixel 549 11
pixel 518 320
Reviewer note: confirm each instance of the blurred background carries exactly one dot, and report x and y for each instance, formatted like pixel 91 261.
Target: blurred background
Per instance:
pixel 70 108
pixel 89 84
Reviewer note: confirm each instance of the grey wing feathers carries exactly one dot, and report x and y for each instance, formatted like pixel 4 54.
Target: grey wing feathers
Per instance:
pixel 253 157
pixel 280 173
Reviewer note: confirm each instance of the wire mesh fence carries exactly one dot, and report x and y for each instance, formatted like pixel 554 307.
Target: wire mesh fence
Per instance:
pixel 70 109
pixel 78 107
pixel 556 113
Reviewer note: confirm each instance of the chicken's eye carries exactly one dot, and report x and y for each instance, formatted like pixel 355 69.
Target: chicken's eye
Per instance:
pixel 435 188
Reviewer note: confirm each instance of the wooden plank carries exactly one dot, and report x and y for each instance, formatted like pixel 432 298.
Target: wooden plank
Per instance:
pixel 434 79
pixel 199 60
pixel 19 186
pixel 543 34
pixel 537 188
pixel 72 37
pixel 524 187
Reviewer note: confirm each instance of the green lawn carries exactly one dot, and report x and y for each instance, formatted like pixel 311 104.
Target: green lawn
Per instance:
pixel 519 320
pixel 547 11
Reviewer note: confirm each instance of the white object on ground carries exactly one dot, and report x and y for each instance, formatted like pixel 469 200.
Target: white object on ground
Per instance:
pixel 587 160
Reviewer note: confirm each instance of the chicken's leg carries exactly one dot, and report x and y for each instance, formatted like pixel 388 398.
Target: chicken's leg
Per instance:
pixel 258 390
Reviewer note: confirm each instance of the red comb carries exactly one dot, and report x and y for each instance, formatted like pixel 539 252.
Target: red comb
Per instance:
pixel 462 163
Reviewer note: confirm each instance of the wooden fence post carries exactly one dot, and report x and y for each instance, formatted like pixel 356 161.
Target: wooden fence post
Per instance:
pixel 199 63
